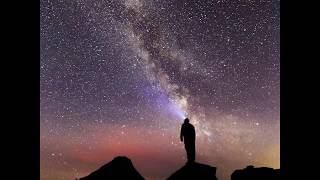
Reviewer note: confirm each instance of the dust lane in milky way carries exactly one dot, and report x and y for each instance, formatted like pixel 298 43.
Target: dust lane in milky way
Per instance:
pixel 119 76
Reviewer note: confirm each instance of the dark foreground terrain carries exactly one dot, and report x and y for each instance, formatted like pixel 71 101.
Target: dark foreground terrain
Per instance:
pixel 122 168
pixel 252 173
pixel 119 168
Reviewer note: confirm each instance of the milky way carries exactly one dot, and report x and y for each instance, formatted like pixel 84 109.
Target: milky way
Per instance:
pixel 118 77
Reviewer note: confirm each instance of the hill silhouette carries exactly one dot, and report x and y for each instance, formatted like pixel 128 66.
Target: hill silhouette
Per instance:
pixel 252 173
pixel 195 171
pixel 120 167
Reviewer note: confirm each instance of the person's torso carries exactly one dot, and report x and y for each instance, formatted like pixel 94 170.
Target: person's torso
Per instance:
pixel 189 132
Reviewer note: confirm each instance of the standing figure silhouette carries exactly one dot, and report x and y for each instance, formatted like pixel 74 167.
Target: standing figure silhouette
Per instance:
pixel 188 135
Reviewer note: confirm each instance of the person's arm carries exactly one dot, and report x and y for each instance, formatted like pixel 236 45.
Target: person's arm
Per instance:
pixel 181 134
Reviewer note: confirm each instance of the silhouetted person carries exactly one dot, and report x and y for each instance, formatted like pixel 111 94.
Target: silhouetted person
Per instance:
pixel 188 135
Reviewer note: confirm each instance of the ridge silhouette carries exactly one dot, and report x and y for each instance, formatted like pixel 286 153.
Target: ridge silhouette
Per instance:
pixel 252 173
pixel 120 167
pixel 194 171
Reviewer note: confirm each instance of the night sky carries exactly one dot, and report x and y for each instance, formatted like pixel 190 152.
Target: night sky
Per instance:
pixel 118 77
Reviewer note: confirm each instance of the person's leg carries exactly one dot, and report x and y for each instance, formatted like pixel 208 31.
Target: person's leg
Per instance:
pixel 189 151
pixel 193 151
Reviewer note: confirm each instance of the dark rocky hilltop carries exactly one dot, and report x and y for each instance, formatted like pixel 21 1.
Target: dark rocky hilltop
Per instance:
pixel 195 171
pixel 252 173
pixel 119 168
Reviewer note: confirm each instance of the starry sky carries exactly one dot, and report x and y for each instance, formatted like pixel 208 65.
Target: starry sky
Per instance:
pixel 117 77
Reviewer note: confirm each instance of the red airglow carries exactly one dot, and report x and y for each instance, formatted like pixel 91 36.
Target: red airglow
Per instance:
pixel 127 141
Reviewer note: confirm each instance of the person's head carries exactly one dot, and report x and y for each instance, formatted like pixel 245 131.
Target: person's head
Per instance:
pixel 186 120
